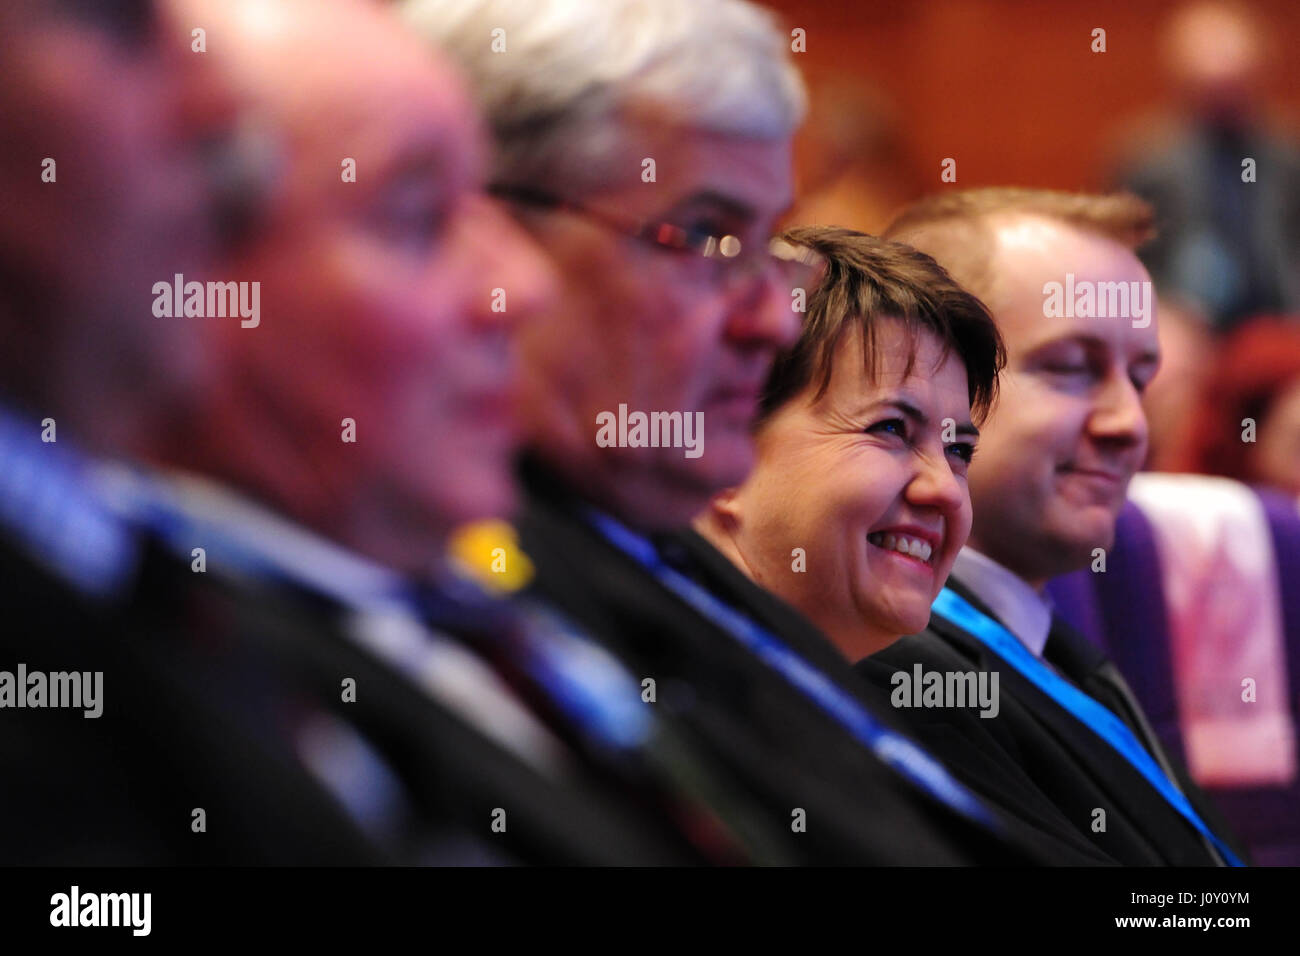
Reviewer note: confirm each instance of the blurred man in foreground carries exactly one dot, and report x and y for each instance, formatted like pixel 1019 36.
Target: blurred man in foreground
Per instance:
pixel 120 159
pixel 367 414
pixel 118 143
pixel 239 670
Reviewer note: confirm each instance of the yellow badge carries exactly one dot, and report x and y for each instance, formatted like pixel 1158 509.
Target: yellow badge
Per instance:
pixel 489 552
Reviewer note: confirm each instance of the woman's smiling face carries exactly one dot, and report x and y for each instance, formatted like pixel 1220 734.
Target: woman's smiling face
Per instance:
pixel 869 480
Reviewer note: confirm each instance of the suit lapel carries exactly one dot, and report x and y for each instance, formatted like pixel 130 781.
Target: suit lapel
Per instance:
pixel 708 565
pixel 1003 784
pixel 1108 770
pixel 1086 667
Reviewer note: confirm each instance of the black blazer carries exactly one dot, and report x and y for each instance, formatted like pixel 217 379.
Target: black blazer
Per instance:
pixel 756 735
pixel 1077 770
pixel 959 739
pixel 120 789
pixel 208 680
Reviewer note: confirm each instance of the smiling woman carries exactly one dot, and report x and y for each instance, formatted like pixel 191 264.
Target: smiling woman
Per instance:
pixel 858 505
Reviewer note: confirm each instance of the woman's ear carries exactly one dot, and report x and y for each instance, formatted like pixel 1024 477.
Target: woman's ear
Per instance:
pixel 720 517
pixel 720 524
pixel 725 507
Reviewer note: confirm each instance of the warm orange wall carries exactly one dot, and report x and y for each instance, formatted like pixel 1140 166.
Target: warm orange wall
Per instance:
pixel 1010 88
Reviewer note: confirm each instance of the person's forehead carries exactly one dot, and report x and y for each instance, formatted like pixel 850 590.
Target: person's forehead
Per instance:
pixel 349 81
pixel 900 362
pixel 1042 267
pixel 427 125
pixel 753 174
pixel 1028 242
pixel 294 52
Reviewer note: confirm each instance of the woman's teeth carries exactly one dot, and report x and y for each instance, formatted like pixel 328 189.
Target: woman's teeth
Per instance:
pixel 901 543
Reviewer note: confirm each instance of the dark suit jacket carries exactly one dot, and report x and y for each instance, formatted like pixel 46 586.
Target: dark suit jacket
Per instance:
pixel 120 788
pixel 757 735
pixel 208 682
pixel 959 739
pixel 1066 760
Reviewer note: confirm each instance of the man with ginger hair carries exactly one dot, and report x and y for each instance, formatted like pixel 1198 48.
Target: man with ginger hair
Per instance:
pixel 1056 456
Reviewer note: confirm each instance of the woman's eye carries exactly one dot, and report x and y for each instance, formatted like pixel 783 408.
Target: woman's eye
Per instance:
pixel 963 450
pixel 890 426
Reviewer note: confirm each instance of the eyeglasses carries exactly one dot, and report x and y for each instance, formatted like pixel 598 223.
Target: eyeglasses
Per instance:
pixel 728 264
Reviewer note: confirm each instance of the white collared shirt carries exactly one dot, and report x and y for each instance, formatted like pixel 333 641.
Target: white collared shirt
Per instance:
pixel 1025 613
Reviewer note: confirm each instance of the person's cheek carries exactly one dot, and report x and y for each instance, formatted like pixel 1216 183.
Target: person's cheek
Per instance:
pixel 855 556
pixel 1062 424
pixel 681 332
pixel 967 521
pixel 956 533
pixel 408 338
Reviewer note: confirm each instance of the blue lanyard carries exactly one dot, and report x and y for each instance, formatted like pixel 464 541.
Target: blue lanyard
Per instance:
pixel 1096 717
pixel 582 679
pixel 49 506
pixel 890 747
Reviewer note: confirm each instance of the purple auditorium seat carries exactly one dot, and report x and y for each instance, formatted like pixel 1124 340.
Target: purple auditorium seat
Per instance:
pixel 1124 612
pixel 1268 818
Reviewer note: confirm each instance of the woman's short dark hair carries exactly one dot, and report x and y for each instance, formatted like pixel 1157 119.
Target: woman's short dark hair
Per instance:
pixel 865 279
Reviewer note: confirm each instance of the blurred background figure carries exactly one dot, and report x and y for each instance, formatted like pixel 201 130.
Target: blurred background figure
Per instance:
pixel 852 157
pixel 1186 349
pixel 1009 94
pixel 1248 411
pixel 1224 181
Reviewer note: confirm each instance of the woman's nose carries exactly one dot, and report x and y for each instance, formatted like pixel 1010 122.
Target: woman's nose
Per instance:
pixel 934 485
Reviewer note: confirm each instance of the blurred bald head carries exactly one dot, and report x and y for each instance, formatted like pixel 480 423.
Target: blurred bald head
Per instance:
pixel 328 69
pixel 1215 53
